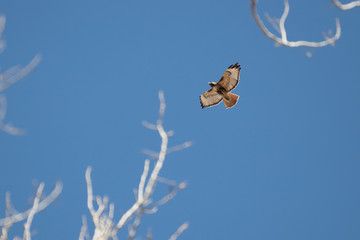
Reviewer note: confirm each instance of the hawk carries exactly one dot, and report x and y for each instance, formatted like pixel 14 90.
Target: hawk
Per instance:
pixel 221 90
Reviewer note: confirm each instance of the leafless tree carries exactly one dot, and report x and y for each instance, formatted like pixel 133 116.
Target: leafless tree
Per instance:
pixel 12 216
pixel 347 6
pixel 102 217
pixel 8 78
pixel 279 25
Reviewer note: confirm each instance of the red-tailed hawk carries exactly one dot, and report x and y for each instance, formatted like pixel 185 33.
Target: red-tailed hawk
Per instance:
pixel 221 90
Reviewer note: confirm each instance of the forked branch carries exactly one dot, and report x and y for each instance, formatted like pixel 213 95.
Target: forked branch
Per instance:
pixel 283 39
pixel 39 204
pixel 105 227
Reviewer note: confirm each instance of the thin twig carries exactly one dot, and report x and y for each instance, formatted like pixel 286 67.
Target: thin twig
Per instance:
pixel 84 232
pixel 179 231
pixel 274 22
pixel 166 181
pixel 6 227
pixel 14 74
pixel 8 128
pixel 176 148
pixel 149 125
pixel 2 27
pixel 90 193
pixel 3 107
pixel 167 198
pixel 149 234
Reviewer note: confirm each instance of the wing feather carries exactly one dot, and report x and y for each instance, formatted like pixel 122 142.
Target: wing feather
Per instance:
pixel 230 78
pixel 210 98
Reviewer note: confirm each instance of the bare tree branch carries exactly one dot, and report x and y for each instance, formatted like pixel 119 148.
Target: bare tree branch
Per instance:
pixel 169 182
pixel 140 200
pixel 33 211
pixel 142 181
pixel 8 78
pixel 155 155
pixel 283 40
pixel 154 207
pixel 103 222
pixel 346 6
pixel 179 231
pixel 164 142
pixel 39 204
pixel 44 203
pixel 105 228
pixel 2 27
pixel 8 128
pixel 84 232
pixel 8 210
pixel 14 74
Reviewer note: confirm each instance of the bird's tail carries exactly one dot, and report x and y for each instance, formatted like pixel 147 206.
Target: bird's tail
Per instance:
pixel 233 100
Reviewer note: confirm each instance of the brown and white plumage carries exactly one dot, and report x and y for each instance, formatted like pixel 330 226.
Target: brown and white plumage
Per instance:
pixel 221 90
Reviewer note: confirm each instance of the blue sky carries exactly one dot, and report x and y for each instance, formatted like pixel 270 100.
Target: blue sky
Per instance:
pixel 282 164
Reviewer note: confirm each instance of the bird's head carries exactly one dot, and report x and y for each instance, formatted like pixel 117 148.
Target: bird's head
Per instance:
pixel 212 84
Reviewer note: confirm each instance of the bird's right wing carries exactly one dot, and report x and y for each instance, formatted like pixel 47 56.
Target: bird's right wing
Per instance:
pixel 230 78
pixel 210 98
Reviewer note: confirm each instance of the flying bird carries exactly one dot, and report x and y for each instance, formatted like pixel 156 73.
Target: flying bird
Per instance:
pixel 221 90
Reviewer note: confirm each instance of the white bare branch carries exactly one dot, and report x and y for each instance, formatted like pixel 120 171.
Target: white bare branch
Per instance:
pixel 8 128
pixel 179 231
pixel 154 207
pixel 166 181
pixel 133 228
pixel 33 211
pixel 39 204
pixel 142 181
pixel 3 107
pixel 8 78
pixel 138 204
pixel 8 210
pixel 283 40
pixel 105 228
pixel 103 222
pixel 14 74
pixel 2 27
pixel 44 203
pixel 149 125
pixel 89 192
pixel 163 149
pixel 84 232
pixel 179 147
pixel 346 6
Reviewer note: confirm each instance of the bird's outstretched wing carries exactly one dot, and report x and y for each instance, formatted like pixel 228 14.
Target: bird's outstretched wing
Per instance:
pixel 210 98
pixel 230 78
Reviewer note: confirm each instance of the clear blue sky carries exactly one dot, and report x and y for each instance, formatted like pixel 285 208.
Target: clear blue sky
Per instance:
pixel 282 164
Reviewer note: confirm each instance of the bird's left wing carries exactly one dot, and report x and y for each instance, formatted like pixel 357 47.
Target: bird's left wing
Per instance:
pixel 230 78
pixel 210 98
